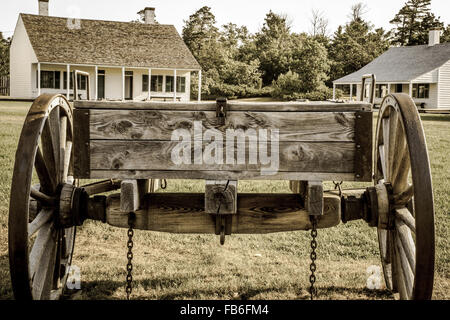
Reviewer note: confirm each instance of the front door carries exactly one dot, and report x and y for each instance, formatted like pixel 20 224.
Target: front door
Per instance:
pixel 129 85
pixel 101 84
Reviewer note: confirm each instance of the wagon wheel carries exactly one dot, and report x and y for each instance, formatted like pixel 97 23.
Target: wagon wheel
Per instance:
pixel 40 252
pixel 401 163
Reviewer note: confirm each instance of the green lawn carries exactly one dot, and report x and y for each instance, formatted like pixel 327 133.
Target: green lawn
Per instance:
pixel 276 266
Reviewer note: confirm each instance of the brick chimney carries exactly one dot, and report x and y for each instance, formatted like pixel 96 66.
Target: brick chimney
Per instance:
pixel 434 37
pixel 149 15
pixel 43 7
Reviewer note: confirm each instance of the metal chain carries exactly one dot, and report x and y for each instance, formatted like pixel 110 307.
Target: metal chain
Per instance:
pixel 163 184
pixel 338 186
pixel 129 279
pixel 313 256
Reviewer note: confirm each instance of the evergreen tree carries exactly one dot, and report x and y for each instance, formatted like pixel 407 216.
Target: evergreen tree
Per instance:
pixel 4 55
pixel 273 44
pixel 355 45
pixel 413 22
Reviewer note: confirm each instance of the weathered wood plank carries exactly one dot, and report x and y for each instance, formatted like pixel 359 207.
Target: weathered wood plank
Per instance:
pixel 81 144
pixel 220 196
pixel 129 196
pixel 314 198
pixel 156 155
pixel 217 174
pixel 256 213
pixel 159 125
pixel 232 106
pixel 364 147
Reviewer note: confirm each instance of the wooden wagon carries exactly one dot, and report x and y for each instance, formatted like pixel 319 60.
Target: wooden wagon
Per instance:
pixel 132 145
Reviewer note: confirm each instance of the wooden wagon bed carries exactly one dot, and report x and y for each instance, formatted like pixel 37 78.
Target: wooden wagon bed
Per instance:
pixel 132 140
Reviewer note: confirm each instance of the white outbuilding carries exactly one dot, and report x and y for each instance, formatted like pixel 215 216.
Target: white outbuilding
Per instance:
pixel 422 71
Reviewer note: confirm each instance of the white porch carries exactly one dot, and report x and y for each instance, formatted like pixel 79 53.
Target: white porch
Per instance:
pixel 115 83
pixel 424 94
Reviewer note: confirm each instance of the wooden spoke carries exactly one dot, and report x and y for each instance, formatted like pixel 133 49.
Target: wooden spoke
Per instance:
pixel 393 139
pixel 400 282
pixel 383 161
pixel 406 272
pixel 386 155
pixel 47 151
pixel 405 216
pixel 52 130
pixel 45 178
pixel 66 164
pixel 44 267
pixel 408 245
pixel 39 247
pixel 41 197
pixel 403 198
pixel 44 216
pixel 62 147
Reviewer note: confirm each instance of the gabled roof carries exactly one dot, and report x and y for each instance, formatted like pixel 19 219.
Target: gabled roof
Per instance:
pixel 403 64
pixel 108 43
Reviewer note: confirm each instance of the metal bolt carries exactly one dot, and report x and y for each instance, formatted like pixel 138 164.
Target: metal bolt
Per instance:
pixel 358 146
pixel 359 116
pixel 87 143
pixel 358 176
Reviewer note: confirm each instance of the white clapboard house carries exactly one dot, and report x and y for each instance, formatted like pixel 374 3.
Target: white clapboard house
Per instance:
pixel 422 71
pixel 125 60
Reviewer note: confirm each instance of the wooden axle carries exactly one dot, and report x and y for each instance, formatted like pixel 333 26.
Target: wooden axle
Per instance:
pixel 185 213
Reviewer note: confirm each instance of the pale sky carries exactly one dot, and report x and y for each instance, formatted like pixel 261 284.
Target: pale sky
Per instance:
pixel 249 13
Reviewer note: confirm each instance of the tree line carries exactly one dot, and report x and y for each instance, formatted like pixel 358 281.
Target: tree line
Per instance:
pixel 277 62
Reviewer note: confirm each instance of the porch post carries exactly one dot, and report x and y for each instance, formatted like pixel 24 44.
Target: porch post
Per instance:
pixel 334 91
pixel 199 85
pixel 351 91
pixel 410 89
pixel 123 83
pixel 389 88
pixel 68 81
pixel 149 84
pixel 174 85
pixel 39 78
pixel 96 83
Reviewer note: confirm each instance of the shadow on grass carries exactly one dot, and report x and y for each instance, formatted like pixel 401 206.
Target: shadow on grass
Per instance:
pixel 429 117
pixel 105 289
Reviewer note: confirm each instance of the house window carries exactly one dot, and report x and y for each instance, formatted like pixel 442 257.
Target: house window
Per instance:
pixel 81 81
pixel 381 90
pixel 399 88
pixel 49 79
pixel 157 83
pixel 421 91
pixel 144 82
pixel 169 83
pixel 181 84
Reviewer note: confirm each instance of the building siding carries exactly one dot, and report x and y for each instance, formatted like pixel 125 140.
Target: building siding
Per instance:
pixel 444 86
pixel 22 57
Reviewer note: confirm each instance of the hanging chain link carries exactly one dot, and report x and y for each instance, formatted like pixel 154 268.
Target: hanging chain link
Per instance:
pixel 163 184
pixel 338 186
pixel 313 256
pixel 129 288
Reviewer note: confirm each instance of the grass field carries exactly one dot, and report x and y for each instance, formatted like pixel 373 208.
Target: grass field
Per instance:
pixel 273 266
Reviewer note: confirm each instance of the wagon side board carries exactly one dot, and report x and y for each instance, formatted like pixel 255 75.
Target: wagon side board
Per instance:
pixel 138 143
